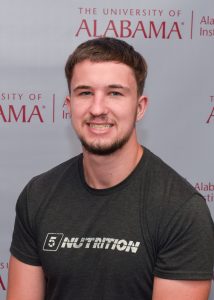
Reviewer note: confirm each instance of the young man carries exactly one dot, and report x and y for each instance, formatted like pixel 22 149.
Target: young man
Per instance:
pixel 114 222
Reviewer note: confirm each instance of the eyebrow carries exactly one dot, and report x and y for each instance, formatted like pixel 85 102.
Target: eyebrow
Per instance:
pixel 82 87
pixel 118 86
pixel 111 86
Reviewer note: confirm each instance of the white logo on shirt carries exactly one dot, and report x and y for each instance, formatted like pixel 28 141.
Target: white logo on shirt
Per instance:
pixel 55 241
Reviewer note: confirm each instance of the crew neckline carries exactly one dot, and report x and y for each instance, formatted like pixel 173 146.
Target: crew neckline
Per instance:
pixel 118 186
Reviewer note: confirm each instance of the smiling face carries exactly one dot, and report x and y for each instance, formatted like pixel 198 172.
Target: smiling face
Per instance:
pixel 104 106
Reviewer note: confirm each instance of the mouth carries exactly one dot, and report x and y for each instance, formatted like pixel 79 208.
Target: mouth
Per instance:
pixel 99 126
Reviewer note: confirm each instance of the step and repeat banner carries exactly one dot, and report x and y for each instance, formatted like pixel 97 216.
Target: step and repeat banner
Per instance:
pixel 36 37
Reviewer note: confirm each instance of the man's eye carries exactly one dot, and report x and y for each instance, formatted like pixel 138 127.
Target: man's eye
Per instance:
pixel 85 93
pixel 113 93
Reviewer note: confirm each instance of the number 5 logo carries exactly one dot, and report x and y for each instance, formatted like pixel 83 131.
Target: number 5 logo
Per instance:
pixel 52 241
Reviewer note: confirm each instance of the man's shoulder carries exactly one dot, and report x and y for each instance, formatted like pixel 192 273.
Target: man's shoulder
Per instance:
pixel 166 181
pixel 66 169
pixel 41 189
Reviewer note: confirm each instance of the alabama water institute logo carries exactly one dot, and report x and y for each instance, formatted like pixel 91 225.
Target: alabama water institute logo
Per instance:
pixel 206 189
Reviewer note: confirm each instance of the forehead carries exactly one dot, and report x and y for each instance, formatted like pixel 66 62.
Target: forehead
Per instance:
pixel 88 72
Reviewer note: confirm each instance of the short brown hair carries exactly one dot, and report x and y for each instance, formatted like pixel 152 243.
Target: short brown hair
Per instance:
pixel 108 49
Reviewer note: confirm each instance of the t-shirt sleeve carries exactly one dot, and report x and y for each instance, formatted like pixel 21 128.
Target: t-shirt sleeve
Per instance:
pixel 23 245
pixel 186 244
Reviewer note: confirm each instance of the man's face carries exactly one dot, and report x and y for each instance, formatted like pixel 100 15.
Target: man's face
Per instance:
pixel 104 105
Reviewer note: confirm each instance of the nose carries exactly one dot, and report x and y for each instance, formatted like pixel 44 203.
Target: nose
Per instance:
pixel 98 105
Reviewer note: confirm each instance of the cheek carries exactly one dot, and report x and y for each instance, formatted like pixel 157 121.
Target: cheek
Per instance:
pixel 78 111
pixel 78 116
pixel 128 114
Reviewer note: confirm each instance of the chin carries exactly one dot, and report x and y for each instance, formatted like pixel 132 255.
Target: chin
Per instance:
pixel 101 149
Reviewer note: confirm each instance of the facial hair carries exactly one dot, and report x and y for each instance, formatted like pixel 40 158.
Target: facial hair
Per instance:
pixel 108 149
pixel 97 149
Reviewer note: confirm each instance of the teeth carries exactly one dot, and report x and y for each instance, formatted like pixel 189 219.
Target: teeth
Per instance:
pixel 100 126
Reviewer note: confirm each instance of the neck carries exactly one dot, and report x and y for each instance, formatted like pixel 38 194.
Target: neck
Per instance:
pixel 106 171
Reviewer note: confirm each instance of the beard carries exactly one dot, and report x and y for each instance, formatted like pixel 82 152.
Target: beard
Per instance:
pixel 97 149
pixel 110 148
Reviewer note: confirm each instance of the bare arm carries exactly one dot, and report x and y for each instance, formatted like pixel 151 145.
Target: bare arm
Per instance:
pixel 25 282
pixel 165 289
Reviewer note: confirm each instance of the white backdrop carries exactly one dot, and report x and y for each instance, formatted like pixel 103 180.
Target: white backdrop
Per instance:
pixel 36 37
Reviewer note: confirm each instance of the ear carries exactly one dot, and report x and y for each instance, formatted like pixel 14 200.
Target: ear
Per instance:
pixel 68 103
pixel 142 106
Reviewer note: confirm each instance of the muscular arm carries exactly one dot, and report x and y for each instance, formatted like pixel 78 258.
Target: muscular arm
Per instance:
pixel 165 289
pixel 25 282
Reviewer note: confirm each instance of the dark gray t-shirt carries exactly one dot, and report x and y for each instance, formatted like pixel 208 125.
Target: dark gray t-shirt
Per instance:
pixel 110 243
